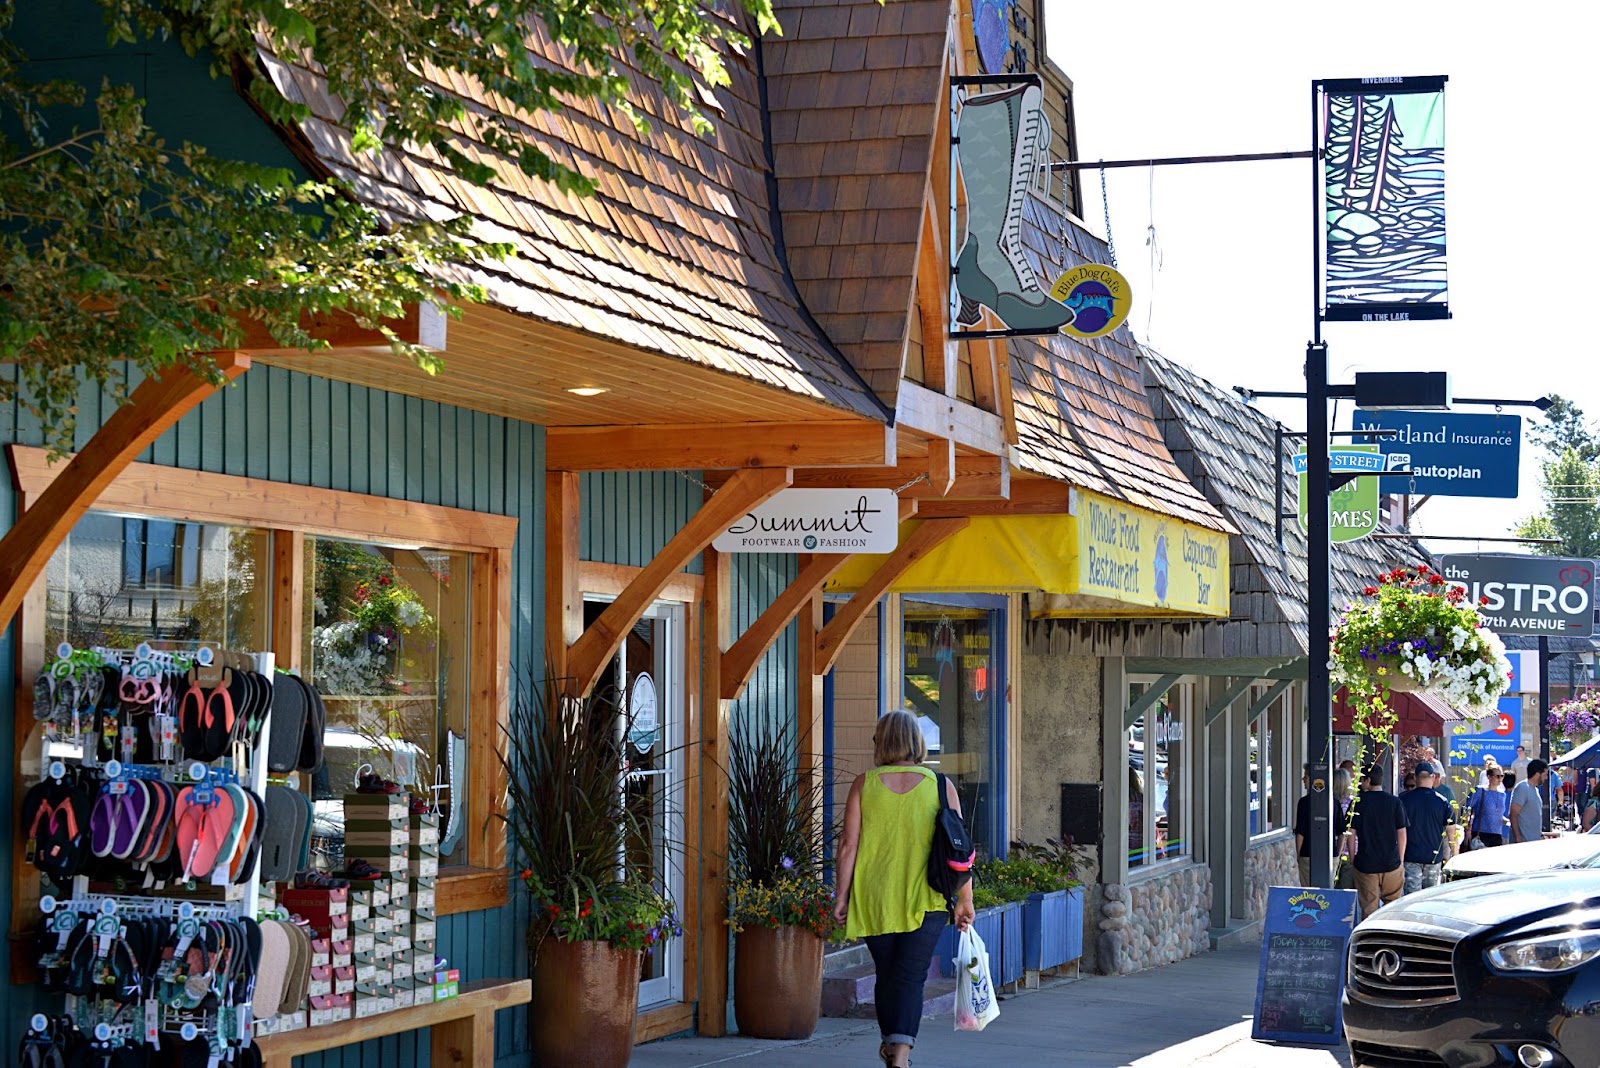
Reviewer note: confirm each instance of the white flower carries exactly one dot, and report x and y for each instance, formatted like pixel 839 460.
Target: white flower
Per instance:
pixel 1406 667
pixel 410 613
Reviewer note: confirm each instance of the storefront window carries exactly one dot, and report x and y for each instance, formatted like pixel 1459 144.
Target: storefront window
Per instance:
pixel 1263 809
pixel 117 581
pixel 1158 779
pixel 953 685
pixel 386 643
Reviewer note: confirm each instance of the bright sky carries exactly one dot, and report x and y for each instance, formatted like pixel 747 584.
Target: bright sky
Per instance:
pixel 1232 295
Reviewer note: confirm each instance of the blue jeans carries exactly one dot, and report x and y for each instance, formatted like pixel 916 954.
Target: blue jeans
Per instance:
pixel 901 961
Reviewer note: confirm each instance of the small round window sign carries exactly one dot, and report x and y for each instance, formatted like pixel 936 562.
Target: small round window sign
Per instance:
pixel 645 721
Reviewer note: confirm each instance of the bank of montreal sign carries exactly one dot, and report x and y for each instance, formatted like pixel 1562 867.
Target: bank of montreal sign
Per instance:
pixel 817 521
pixel 1527 594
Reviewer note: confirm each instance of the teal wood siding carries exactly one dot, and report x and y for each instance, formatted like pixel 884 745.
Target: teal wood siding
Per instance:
pixel 758 578
pixel 293 428
pixel 628 516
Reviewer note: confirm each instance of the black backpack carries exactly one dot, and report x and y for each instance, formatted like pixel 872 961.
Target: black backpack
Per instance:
pixel 951 854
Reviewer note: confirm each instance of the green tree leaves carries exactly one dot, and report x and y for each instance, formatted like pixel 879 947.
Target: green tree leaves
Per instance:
pixel 1569 482
pixel 122 254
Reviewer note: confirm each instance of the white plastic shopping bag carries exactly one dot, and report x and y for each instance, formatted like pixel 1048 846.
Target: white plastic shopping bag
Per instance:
pixel 975 1000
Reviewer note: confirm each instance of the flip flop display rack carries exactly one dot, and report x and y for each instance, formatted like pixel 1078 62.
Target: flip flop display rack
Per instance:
pixel 151 829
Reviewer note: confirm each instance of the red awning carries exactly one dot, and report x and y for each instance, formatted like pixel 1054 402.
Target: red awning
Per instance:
pixel 1420 713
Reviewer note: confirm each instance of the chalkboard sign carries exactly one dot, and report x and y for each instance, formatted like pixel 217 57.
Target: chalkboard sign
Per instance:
pixel 1301 983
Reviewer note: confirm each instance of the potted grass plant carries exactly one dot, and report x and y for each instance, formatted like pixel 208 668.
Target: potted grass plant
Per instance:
pixel 779 906
pixel 592 919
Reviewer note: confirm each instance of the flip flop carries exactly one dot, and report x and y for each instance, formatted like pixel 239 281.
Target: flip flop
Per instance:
pixel 103 825
pixel 221 717
pixel 191 722
pixel 201 829
pixel 280 836
pixel 290 707
pixel 273 971
pixel 316 728
pixel 250 841
pixel 133 811
pixel 233 838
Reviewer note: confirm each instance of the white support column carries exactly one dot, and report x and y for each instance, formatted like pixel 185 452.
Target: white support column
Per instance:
pixel 1114 762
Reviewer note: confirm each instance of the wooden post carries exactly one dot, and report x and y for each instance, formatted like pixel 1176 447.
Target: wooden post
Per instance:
pixel 158 402
pixel 563 601
pixel 288 596
pixel 713 900
pixel 808 705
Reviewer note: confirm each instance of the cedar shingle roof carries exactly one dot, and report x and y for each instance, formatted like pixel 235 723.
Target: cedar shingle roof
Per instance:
pixel 673 255
pixel 853 89
pixel 1226 446
pixel 1082 412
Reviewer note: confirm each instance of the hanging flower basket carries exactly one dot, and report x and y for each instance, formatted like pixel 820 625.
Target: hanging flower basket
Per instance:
pixel 1573 722
pixel 1412 632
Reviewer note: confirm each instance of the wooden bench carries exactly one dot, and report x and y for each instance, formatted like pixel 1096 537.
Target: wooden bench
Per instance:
pixel 463 1027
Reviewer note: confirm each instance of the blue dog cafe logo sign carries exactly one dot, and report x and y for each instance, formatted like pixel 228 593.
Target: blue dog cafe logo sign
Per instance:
pixel 1098 297
pixel 817 521
pixel 1306 908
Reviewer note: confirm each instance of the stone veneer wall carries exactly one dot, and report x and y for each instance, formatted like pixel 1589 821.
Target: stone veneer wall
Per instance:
pixel 1270 861
pixel 1154 921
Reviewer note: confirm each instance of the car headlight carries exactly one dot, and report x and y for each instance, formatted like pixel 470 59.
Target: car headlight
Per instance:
pixel 1558 951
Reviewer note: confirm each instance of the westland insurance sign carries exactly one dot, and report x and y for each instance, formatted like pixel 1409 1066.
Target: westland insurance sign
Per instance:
pixel 1453 454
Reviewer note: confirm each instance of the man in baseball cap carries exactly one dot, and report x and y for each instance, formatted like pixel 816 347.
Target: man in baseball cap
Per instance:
pixel 1427 813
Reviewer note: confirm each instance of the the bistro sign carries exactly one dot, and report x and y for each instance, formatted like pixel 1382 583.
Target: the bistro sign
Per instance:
pixel 817 521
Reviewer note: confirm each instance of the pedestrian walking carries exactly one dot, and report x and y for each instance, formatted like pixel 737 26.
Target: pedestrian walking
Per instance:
pixel 1519 766
pixel 1427 816
pixel 1380 824
pixel 1527 807
pixel 1302 820
pixel 881 893
pixel 1488 810
pixel 1591 807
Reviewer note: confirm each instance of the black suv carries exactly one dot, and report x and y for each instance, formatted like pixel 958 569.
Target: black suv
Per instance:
pixel 1502 970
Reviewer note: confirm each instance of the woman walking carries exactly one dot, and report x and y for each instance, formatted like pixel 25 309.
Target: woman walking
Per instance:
pixel 882 894
pixel 1489 809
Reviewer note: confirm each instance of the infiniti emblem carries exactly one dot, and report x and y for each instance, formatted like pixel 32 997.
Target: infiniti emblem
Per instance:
pixel 1387 963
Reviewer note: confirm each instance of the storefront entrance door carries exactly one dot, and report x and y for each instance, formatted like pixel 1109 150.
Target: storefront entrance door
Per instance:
pixel 647 674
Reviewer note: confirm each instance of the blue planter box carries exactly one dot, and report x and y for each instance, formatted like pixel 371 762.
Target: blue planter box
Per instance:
pixel 1052 929
pixel 1001 929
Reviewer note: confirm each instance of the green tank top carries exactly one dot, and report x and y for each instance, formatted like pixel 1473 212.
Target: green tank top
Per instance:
pixel 889 891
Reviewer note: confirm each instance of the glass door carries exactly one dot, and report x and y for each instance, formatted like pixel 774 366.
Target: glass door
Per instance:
pixel 647 675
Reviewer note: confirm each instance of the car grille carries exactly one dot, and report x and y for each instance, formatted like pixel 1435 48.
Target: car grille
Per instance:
pixel 1366 1055
pixel 1425 975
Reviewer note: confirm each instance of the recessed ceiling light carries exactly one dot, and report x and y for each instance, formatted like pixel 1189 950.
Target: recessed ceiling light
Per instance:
pixel 588 391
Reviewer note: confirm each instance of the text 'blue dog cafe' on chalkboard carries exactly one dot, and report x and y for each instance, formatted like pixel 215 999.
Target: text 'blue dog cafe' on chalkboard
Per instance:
pixel 1301 985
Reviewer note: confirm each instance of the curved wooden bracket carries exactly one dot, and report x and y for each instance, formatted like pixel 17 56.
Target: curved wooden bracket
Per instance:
pixel 587 657
pixel 739 662
pixel 155 405
pixel 833 637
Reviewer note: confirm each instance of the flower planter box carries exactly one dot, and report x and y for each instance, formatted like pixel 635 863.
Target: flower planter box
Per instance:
pixel 1052 929
pixel 1000 928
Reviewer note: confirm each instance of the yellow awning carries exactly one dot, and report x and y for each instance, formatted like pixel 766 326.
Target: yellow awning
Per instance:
pixel 1110 559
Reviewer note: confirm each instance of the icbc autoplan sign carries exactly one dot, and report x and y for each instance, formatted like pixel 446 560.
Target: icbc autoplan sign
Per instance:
pixel 1527 594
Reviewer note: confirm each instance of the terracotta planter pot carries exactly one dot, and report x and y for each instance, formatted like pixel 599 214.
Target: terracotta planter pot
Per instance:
pixel 777 982
pixel 585 1009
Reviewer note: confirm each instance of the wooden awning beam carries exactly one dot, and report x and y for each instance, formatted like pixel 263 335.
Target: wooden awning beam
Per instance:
pixel 833 637
pixel 739 662
pixel 976 477
pixel 1033 496
pixel 712 446
pixel 422 324
pixel 587 657
pixel 155 405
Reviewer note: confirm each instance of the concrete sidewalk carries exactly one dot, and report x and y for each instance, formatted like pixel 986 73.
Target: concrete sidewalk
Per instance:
pixel 1196 1012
